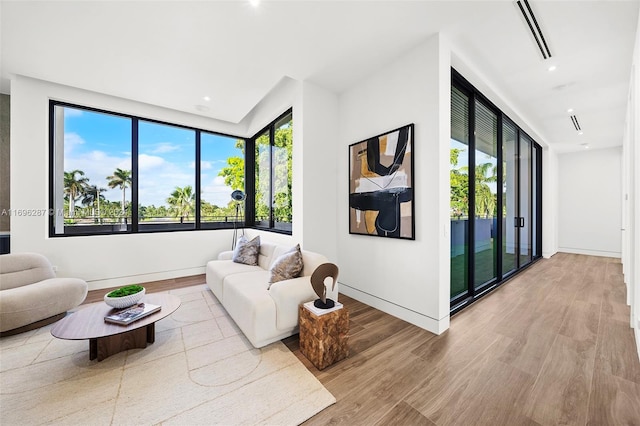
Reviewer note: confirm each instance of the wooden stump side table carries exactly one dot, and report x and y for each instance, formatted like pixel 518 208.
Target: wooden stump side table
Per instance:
pixel 324 338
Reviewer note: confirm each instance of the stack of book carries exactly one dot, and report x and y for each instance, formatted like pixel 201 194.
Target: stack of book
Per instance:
pixel 132 313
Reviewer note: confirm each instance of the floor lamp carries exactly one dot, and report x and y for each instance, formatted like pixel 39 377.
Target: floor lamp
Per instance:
pixel 237 196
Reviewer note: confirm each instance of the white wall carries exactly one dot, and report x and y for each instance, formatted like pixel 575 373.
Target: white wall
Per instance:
pixel 631 194
pixel 589 194
pixel 549 202
pixel 319 155
pixel 408 279
pixel 106 260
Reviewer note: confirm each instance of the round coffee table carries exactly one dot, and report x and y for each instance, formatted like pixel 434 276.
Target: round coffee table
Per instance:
pixel 106 339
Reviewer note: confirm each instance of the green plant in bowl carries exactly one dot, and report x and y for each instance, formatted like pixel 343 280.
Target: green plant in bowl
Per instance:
pixel 126 291
pixel 124 296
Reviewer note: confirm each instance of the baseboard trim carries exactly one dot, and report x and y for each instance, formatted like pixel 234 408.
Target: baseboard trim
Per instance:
pixel 142 278
pixel 588 252
pixel 415 318
pixel 637 335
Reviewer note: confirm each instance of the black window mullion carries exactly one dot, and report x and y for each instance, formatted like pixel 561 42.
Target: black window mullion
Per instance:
pixel 250 181
pixel 531 199
pixel 134 174
pixel 472 195
pixel 517 198
pixel 499 201
pixel 52 160
pixel 198 225
pixel 272 178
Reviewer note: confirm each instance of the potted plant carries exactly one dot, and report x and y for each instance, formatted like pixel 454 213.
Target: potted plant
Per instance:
pixel 124 296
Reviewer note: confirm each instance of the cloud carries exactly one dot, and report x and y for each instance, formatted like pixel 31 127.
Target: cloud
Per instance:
pixel 72 140
pixel 216 192
pixel 164 147
pixel 149 162
pixel 204 165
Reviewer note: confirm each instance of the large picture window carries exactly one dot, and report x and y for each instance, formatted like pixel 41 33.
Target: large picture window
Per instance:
pixel 114 173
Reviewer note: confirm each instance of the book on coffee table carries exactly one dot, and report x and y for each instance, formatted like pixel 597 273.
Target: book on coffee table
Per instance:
pixel 132 313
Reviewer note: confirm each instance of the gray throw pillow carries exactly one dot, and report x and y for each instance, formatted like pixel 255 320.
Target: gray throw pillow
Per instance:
pixel 286 266
pixel 247 251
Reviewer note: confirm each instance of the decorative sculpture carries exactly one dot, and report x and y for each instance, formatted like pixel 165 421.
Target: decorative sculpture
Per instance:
pixel 321 273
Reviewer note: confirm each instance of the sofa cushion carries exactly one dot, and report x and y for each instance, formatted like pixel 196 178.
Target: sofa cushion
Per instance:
pixel 286 266
pixel 246 252
pixel 265 258
pixel 217 270
pixel 248 302
pixel 288 295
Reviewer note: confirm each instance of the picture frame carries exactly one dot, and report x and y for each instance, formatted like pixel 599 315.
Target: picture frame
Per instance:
pixel 381 185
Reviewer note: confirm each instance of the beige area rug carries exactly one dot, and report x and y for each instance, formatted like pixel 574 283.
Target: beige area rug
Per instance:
pixel 200 370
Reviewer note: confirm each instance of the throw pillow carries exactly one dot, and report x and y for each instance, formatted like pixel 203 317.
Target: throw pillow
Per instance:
pixel 287 266
pixel 247 251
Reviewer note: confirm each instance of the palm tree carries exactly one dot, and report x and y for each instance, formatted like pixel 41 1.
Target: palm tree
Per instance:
pixel 120 179
pixel 91 197
pixel 182 202
pixel 74 187
pixel 485 199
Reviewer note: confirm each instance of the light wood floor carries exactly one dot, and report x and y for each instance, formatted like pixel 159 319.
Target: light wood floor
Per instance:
pixel 551 346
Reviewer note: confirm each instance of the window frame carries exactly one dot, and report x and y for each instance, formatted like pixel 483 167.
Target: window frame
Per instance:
pixel 250 177
pixel 133 228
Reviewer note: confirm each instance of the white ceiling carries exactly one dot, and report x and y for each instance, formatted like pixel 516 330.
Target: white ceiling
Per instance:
pixel 173 53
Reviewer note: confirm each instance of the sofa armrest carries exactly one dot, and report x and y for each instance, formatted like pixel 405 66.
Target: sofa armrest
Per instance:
pixel 225 255
pixel 288 295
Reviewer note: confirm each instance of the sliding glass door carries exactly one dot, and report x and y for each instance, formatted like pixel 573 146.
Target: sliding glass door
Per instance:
pixel 495 210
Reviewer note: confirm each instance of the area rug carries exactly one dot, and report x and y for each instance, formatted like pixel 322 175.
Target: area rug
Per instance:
pixel 200 370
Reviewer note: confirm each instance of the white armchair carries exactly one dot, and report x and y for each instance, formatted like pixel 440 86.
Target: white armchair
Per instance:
pixel 30 294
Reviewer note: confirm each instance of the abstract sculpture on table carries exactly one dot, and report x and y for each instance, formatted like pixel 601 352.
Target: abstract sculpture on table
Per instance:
pixel 322 272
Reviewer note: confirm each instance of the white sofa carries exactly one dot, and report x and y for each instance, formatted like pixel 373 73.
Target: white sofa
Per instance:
pixel 264 314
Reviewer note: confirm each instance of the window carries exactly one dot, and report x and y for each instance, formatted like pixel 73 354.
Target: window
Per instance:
pixel 113 173
pixel 273 169
pixel 91 172
pixel 166 177
pixel 222 171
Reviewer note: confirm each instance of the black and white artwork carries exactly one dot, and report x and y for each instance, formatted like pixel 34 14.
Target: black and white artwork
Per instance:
pixel 381 185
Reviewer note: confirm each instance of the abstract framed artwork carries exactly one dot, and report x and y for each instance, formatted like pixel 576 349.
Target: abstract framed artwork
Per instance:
pixel 381 185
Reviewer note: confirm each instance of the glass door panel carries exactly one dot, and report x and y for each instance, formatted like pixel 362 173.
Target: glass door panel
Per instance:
pixel 459 199
pixel 486 195
pixel 509 198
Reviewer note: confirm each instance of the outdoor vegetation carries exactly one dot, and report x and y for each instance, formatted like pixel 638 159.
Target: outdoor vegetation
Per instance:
pixel 84 203
pixel 485 199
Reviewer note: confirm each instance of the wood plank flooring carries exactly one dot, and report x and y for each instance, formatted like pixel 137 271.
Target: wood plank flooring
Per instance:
pixel 551 346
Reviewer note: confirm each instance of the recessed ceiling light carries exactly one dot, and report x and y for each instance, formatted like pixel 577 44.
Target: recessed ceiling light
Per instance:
pixel 585 145
pixel 570 110
pixel 552 68
pixel 206 98
pixel 580 133
pixel 254 3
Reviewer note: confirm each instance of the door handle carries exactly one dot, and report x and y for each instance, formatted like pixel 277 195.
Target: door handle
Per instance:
pixel 522 222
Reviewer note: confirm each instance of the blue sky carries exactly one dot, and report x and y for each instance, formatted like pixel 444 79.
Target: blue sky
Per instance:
pixel 99 143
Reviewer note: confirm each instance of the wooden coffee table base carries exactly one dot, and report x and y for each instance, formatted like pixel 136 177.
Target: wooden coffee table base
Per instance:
pixel 104 347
